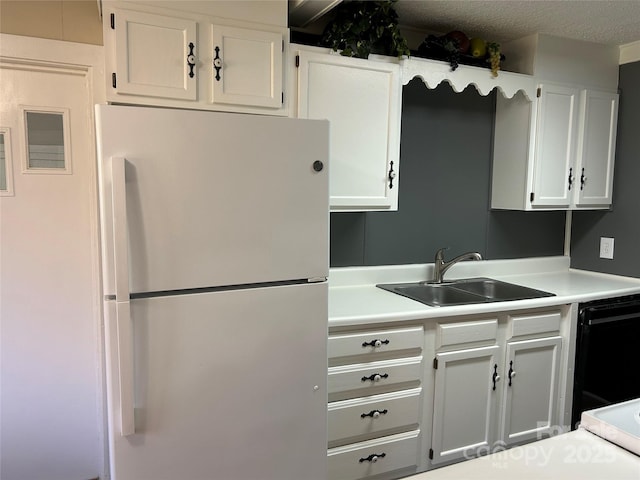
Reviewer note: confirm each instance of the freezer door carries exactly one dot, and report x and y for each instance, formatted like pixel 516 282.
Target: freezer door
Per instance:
pixel 228 385
pixel 214 199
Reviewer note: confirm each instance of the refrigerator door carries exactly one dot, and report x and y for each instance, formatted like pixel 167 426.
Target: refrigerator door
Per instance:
pixel 214 199
pixel 229 385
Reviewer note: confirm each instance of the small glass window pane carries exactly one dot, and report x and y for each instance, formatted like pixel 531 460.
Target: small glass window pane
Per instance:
pixel 45 140
pixel 3 165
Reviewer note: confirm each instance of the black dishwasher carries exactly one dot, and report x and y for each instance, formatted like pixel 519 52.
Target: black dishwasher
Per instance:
pixel 607 368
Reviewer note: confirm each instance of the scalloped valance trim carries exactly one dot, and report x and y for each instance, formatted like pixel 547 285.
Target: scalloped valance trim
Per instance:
pixel 434 72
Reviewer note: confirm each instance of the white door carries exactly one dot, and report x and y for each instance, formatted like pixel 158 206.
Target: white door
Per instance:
pixel 247 67
pixel 467 388
pixel 361 99
pixel 156 56
pixel 216 199
pixel 228 385
pixel 530 388
pixel 555 176
pixel 597 147
pixel 51 387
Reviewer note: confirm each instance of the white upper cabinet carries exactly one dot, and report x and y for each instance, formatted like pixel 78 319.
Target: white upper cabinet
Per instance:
pixel 362 101
pixel 247 67
pixel 155 55
pixel 188 60
pixel 555 153
pixel 597 148
pixel 555 145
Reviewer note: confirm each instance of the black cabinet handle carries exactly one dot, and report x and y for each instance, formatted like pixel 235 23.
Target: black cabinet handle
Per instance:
pixel 583 179
pixel 495 377
pixel 217 63
pixel 373 458
pixel 375 343
pixel 191 59
pixel 570 178
pixel 375 377
pixel 512 372
pixel 392 174
pixel 374 413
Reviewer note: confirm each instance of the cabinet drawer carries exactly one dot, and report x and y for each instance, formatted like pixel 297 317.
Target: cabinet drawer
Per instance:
pixel 460 333
pixel 370 378
pixel 380 341
pixel 548 322
pixel 373 457
pixel 370 415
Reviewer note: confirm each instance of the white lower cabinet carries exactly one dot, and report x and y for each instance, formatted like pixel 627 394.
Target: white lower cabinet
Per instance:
pixel 464 417
pixel 531 389
pixel 374 457
pixel 375 402
pixel 409 398
pixel 377 414
pixel 492 393
pixel 373 377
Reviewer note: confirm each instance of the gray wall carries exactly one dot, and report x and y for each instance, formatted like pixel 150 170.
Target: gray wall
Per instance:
pixel 445 168
pixel 623 221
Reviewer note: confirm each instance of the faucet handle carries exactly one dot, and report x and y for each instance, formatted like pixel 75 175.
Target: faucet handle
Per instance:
pixel 440 253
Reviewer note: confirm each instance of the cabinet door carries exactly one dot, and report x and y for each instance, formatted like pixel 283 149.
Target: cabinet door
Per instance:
pixel 530 389
pixel 155 55
pixel 597 147
pixel 556 127
pixel 465 403
pixel 247 67
pixel 361 99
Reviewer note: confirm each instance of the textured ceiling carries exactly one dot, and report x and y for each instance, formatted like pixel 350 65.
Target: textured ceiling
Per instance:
pixel 613 22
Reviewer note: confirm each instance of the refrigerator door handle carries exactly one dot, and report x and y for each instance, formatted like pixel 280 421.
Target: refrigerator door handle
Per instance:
pixel 123 307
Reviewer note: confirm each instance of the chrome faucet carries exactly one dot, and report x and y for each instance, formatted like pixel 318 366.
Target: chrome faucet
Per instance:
pixel 440 266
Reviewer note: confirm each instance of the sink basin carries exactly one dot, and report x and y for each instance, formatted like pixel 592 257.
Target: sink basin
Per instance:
pixel 433 294
pixel 462 292
pixel 498 291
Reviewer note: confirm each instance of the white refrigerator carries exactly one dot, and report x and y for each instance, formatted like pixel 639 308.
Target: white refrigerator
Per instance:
pixel 215 258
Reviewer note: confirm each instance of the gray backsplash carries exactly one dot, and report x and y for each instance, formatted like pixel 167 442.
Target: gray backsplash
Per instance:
pixel 445 168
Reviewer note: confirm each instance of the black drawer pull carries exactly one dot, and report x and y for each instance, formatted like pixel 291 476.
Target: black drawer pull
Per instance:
pixel 374 413
pixel 375 377
pixel 375 343
pixel 373 458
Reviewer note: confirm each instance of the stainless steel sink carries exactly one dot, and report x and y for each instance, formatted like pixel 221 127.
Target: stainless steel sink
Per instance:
pixel 462 292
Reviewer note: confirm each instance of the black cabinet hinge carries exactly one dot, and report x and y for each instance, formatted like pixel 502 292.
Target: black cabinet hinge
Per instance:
pixel 113 80
pixel 431 454
pixel 532 196
pixel 539 92
pixel 113 21
pixel 282 98
pixel 297 61
pixel 435 363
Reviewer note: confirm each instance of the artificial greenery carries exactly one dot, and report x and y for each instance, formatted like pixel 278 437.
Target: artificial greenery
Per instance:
pixel 363 27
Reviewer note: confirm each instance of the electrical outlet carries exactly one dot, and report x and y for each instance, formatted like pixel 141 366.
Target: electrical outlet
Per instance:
pixel 606 248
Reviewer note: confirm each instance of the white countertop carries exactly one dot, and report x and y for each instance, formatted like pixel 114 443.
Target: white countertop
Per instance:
pixel 354 298
pixel 577 455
